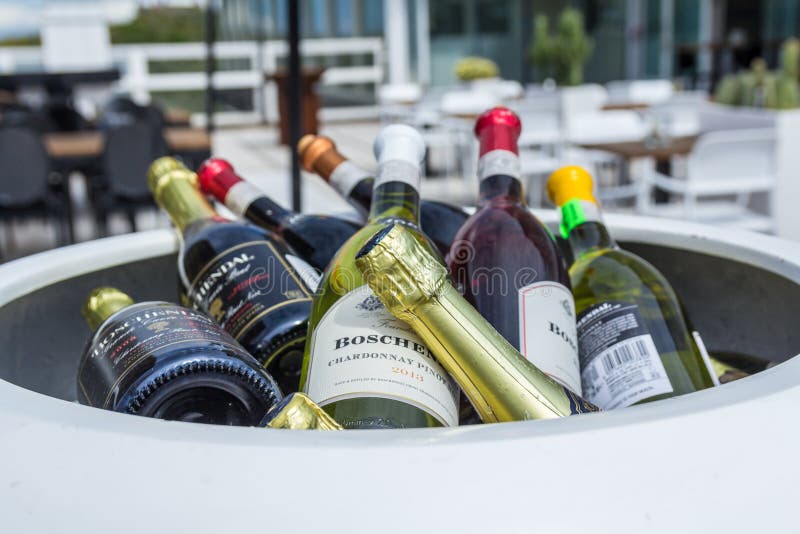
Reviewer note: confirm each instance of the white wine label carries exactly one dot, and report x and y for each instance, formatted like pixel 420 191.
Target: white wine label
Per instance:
pixel 498 162
pixel 398 171
pixel 620 364
pixel 345 177
pixel 309 275
pixel 240 196
pixel 358 349
pixel 547 335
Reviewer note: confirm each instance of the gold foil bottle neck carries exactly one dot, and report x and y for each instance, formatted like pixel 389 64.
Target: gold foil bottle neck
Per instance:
pixel 163 170
pixel 570 183
pixel 299 412
pixel 403 284
pixel 102 303
pixel 318 154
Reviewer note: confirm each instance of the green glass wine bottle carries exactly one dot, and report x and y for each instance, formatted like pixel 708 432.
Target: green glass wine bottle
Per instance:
pixel 365 367
pixel 633 342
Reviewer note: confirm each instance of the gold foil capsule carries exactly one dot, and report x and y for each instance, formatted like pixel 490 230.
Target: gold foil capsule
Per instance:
pixel 298 412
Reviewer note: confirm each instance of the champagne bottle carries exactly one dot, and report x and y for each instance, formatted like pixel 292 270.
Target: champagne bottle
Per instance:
pixel 508 262
pixel 438 220
pixel 633 340
pixel 363 366
pixel 315 238
pixel 165 361
pixel 500 383
pixel 244 277
pixel 298 412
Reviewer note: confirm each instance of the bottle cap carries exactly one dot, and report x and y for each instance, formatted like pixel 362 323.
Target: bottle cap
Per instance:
pixel 399 142
pixel 498 129
pixel 408 274
pixel 216 177
pixel 570 183
pixel 163 170
pixel 299 412
pixel 102 303
pixel 311 147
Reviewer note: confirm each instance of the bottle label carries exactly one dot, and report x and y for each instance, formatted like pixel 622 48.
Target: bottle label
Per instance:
pixel 547 334
pixel 240 196
pixel 620 364
pixel 244 283
pixel 499 162
pixel 309 274
pixel 122 350
pixel 358 349
pixel 397 171
pixel 346 176
pixel 576 212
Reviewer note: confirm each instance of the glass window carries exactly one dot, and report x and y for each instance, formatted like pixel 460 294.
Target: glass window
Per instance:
pixel 344 17
pixel 493 17
pixel 318 13
pixel 281 17
pixel 373 16
pixel 447 17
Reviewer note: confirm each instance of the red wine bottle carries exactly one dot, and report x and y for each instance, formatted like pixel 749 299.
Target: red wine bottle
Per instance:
pixel 318 154
pixel 315 238
pixel 508 262
pixel 244 277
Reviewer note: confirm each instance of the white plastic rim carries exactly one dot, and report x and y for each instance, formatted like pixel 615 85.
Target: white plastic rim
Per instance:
pixel 721 460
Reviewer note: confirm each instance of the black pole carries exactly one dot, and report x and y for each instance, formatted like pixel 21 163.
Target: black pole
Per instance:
pixel 295 117
pixel 211 36
pixel 261 106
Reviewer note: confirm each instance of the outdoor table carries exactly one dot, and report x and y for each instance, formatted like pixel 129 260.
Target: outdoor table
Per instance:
pixel 81 152
pixel 632 106
pixel 660 153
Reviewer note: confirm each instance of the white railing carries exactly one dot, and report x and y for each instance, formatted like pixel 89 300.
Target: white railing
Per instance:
pixel 140 82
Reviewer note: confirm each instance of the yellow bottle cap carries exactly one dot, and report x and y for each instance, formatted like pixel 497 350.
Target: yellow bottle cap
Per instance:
pixel 570 183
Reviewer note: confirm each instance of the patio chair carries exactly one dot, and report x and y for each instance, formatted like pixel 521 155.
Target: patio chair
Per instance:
pixel 128 152
pixel 734 163
pixel 25 187
pixel 640 91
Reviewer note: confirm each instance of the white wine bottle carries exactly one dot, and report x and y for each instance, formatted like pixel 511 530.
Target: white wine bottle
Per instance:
pixel 633 342
pixel 366 368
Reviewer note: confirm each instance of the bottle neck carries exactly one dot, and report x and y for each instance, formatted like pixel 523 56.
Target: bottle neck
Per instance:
pixel 396 192
pixel 501 188
pixel 326 164
pixel 589 236
pixel 267 213
pixel 184 203
pixel 102 304
pixel 499 172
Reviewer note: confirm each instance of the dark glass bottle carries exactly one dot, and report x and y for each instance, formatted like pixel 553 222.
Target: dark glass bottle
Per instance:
pixel 316 238
pixel 160 360
pixel 508 262
pixel 244 277
pixel 438 220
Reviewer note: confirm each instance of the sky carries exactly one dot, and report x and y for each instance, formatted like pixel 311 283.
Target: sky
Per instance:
pixel 22 17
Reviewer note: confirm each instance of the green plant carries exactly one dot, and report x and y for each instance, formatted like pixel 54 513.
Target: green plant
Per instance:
pixel 761 88
pixel 476 68
pixel 561 55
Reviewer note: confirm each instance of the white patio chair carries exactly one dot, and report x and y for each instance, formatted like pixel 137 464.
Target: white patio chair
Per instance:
pixel 733 163
pixel 397 101
pixel 640 91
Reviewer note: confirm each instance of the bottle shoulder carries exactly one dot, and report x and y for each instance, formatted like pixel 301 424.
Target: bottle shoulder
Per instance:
pixel 615 270
pixel 222 235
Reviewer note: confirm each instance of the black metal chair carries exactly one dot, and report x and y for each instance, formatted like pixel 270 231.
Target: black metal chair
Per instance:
pixel 122 186
pixel 26 189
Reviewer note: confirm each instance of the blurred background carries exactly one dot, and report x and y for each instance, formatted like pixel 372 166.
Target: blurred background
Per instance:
pixel 680 108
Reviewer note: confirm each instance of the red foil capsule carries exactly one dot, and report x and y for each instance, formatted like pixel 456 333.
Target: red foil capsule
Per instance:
pixel 216 177
pixel 498 129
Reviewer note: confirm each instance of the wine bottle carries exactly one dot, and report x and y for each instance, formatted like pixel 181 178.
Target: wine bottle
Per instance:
pixel 633 341
pixel 363 366
pixel 315 238
pixel 500 383
pixel 508 263
pixel 298 412
pixel 160 360
pixel 244 277
pixel 438 220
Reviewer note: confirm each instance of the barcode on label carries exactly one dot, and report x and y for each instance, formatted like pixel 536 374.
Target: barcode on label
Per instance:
pixel 625 353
